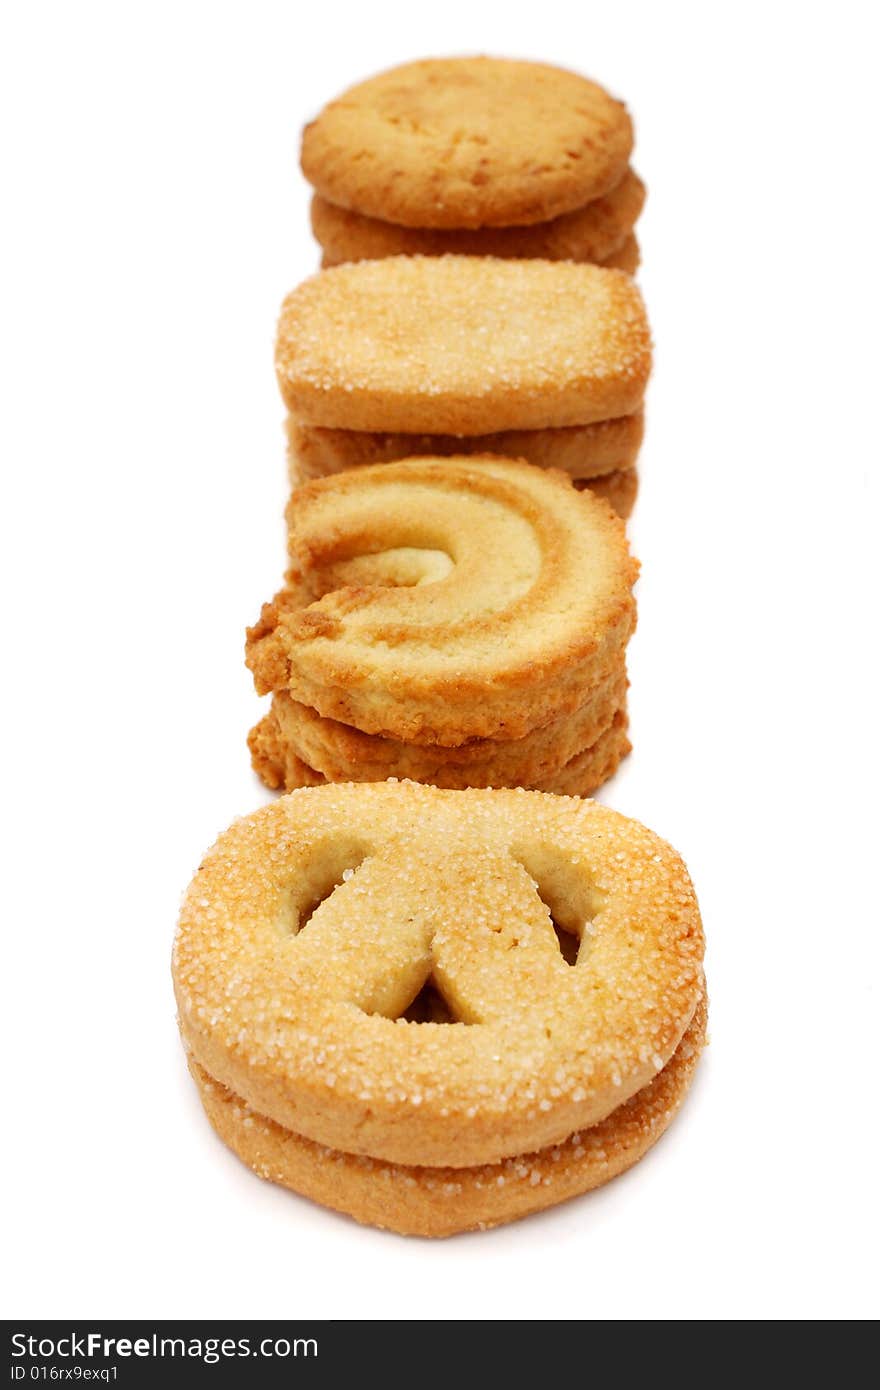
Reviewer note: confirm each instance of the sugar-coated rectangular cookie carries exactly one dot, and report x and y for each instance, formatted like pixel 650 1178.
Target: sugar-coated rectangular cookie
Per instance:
pixel 463 345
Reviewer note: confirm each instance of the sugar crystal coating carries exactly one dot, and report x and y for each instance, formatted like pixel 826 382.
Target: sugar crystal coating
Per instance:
pixel 419 1201
pixel 462 345
pixel 293 982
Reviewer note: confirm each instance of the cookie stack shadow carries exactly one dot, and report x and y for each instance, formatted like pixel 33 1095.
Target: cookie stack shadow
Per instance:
pixel 474 156
pixel 461 622
pixel 539 360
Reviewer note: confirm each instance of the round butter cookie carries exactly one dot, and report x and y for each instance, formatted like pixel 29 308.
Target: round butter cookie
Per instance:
pixel 590 233
pixel 437 601
pixel 313 925
pixel 462 345
pixel 444 1201
pixel 582 451
pixel 468 142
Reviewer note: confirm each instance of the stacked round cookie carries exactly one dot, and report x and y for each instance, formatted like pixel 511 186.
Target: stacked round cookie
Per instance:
pixel 474 156
pixel 380 1013
pixel 457 621
pixel 547 361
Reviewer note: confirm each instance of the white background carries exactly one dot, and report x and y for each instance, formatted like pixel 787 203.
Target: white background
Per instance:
pixel 154 217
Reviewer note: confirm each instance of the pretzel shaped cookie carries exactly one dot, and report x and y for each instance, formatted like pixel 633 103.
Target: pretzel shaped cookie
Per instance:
pixel 312 929
pixel 438 601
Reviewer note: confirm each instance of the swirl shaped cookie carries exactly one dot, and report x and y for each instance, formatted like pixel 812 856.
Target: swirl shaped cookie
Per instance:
pixel 590 233
pixel 438 601
pixel 314 924
pixel 462 345
pixel 468 142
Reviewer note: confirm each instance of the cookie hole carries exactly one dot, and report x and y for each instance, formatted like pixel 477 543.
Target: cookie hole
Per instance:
pixel 429 1006
pixel 569 943
pixel 315 900
pixel 323 869
pixel 566 889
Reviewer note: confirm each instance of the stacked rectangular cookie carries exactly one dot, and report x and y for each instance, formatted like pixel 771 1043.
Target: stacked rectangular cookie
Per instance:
pixel 474 156
pixel 544 361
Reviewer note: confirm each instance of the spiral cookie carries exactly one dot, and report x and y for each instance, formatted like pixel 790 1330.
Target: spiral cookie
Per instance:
pixel 462 621
pixel 306 944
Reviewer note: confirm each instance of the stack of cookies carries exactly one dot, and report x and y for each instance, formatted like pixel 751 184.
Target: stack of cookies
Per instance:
pixel 474 156
pixel 441 1007
pixel 546 361
pixel 379 1011
pixel 458 621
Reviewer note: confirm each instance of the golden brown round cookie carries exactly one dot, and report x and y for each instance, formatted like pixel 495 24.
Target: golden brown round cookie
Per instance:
pixel 437 601
pixel 314 923
pixel 345 754
pixel 618 489
pixel 468 142
pixel 462 345
pixel 444 1201
pixel 627 257
pixel 278 759
pixel 582 451
pixel 590 233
